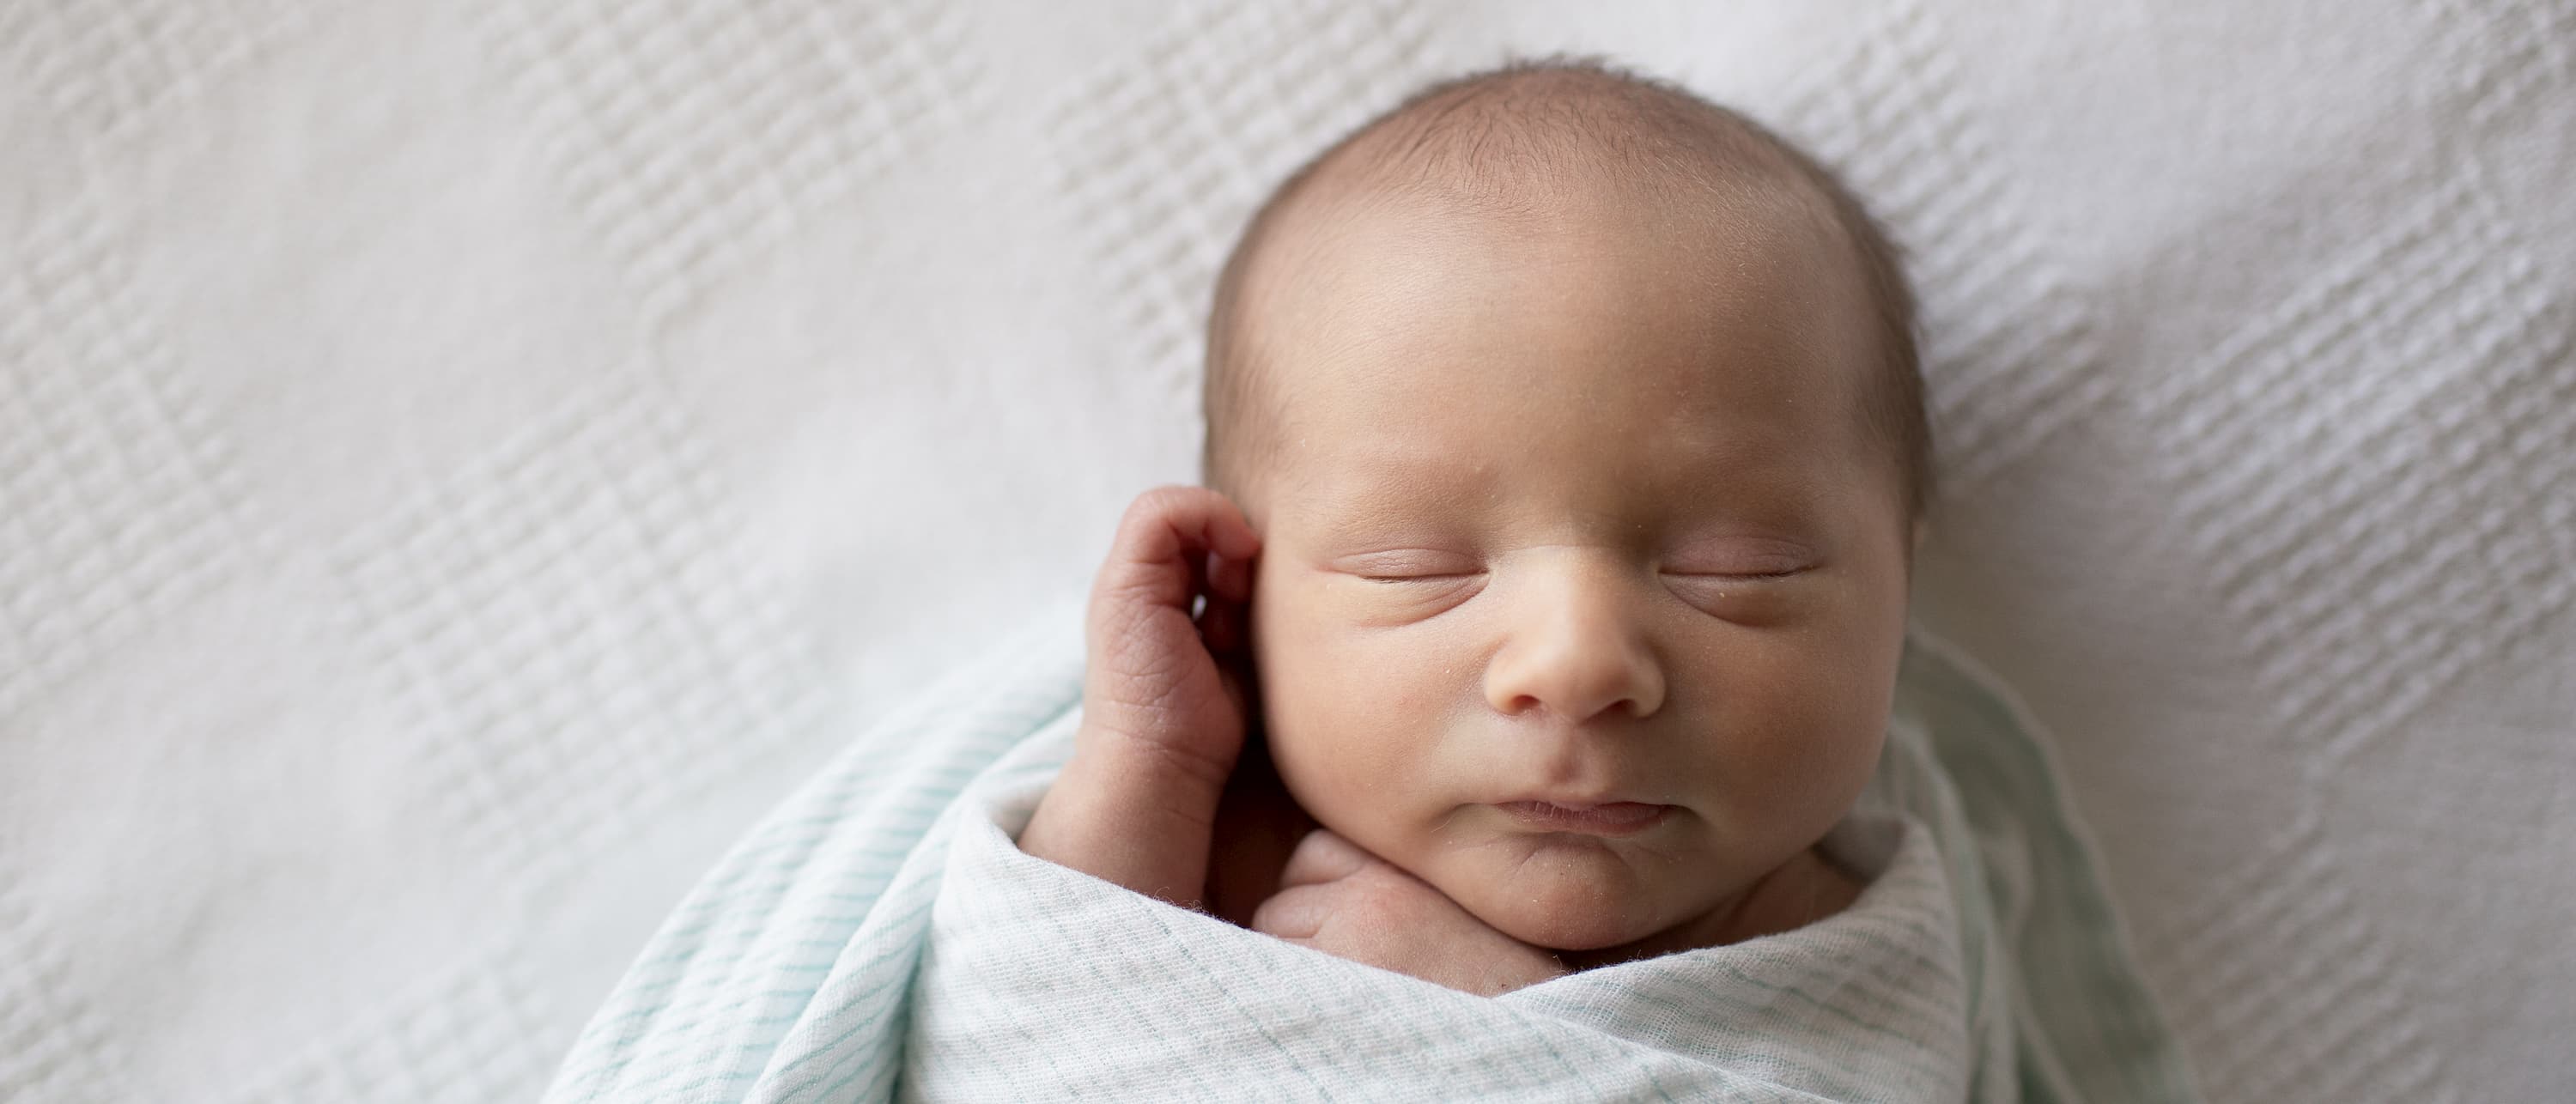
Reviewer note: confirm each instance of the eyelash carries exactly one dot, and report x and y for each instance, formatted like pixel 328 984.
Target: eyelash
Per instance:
pixel 1747 576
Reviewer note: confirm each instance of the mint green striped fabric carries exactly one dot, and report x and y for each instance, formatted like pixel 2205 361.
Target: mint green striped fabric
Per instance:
pixel 879 935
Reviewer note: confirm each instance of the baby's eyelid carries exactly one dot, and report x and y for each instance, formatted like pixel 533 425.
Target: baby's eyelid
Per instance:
pixel 1407 566
pixel 1743 576
pixel 1412 573
pixel 1760 568
pixel 1751 559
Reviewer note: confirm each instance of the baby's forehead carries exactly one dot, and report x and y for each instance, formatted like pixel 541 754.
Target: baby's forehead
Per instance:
pixel 1393 375
pixel 1633 271
pixel 1575 230
pixel 1494 160
pixel 1722 193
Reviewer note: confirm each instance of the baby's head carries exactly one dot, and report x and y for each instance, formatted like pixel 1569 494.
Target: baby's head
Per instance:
pixel 1581 424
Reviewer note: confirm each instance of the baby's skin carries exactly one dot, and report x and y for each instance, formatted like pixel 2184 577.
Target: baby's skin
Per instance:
pixel 1162 734
pixel 1572 600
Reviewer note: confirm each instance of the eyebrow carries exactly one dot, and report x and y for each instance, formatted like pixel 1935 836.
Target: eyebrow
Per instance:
pixel 1390 501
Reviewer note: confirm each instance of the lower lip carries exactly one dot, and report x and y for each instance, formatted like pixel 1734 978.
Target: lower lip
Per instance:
pixel 1618 818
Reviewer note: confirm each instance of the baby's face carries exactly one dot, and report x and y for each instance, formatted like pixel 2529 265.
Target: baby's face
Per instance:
pixel 1582 586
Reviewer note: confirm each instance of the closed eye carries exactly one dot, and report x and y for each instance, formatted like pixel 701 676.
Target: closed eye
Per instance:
pixel 1741 559
pixel 1743 597
pixel 1410 565
pixel 1404 586
pixel 1740 576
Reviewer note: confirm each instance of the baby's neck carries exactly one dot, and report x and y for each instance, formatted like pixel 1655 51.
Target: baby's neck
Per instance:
pixel 1807 888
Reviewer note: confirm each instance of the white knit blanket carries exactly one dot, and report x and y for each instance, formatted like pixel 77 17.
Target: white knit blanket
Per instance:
pixel 881 935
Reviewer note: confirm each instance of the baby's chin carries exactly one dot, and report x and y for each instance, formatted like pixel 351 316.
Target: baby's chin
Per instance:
pixel 1578 898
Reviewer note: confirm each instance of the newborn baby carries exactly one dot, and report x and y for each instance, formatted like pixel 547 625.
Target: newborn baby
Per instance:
pixel 1565 455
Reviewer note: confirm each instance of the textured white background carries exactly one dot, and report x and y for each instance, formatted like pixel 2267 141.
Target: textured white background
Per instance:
pixel 459 462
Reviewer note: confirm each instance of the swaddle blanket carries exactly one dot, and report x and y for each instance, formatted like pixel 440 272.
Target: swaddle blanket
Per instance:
pixel 881 936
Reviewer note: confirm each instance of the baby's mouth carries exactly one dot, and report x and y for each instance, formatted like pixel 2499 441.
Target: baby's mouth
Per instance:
pixel 1614 818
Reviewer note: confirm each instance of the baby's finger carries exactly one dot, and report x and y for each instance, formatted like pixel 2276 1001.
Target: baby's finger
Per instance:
pixel 1157 553
pixel 1230 578
pixel 1323 857
pixel 1224 529
pixel 1295 915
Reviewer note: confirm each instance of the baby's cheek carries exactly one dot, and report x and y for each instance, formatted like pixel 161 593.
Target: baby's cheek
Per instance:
pixel 1362 701
pixel 1363 604
pixel 1358 771
pixel 1801 735
pixel 1322 748
pixel 1746 604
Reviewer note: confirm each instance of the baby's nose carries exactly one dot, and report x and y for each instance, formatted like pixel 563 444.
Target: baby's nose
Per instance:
pixel 1575 650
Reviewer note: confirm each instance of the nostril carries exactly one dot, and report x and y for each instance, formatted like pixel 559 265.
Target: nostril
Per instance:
pixel 1531 706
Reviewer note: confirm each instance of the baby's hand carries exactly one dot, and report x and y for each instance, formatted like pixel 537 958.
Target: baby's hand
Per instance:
pixel 1346 902
pixel 1162 703
pixel 1154 678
